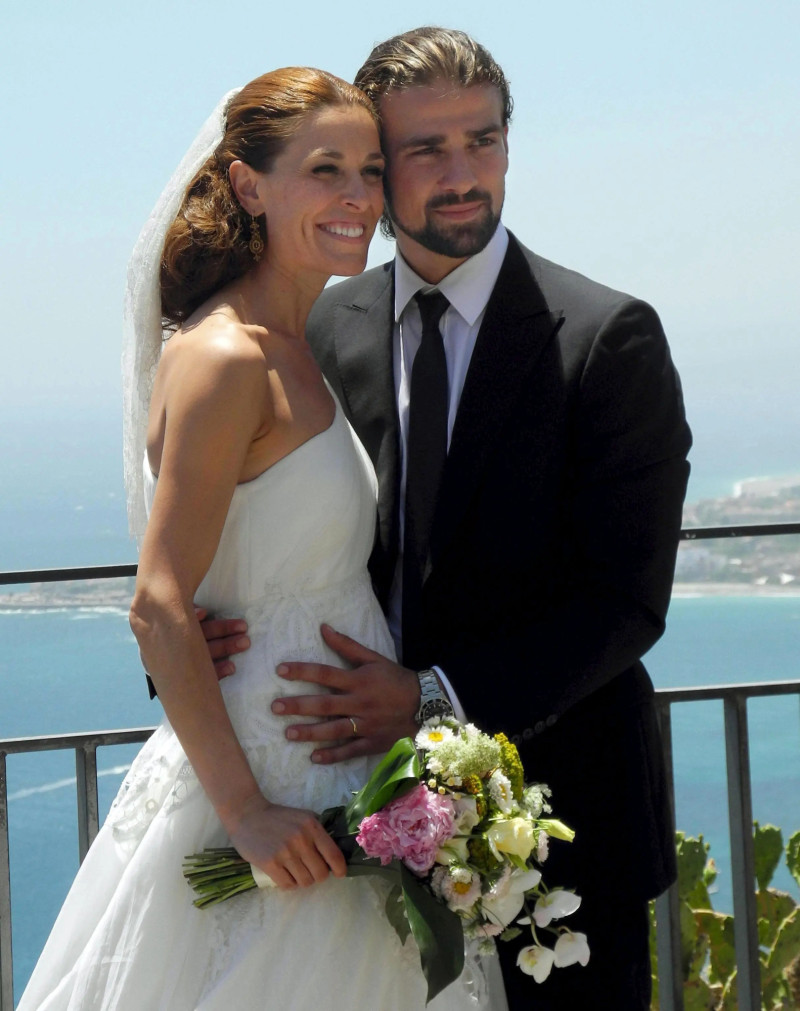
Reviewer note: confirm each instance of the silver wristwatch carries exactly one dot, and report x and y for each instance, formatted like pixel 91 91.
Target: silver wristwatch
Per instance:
pixel 432 700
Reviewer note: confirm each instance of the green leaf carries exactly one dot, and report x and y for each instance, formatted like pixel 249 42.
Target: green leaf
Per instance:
pixel 773 907
pixel 718 928
pixel 689 939
pixel 793 856
pixel 391 872
pixel 438 932
pixel 396 913
pixel 730 992
pixel 775 994
pixel 697 995
pixel 397 773
pixel 768 848
pixel 692 856
pixel 786 946
pixel 334 821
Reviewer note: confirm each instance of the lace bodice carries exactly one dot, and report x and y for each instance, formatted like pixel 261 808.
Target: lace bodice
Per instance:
pixel 292 555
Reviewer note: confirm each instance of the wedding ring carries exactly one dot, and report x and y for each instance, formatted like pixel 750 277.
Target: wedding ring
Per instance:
pixel 352 720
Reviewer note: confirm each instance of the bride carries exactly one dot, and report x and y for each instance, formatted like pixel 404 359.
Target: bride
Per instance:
pixel 261 503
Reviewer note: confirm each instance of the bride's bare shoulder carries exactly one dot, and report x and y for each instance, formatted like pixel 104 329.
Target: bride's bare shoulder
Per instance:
pixel 217 336
pixel 212 360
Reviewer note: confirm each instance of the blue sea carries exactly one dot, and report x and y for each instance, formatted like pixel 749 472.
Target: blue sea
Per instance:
pixel 71 669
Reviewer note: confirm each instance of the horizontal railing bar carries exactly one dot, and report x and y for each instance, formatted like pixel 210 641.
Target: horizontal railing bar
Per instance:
pixel 60 742
pixel 59 575
pixel 134 735
pixel 129 569
pixel 745 690
pixel 739 530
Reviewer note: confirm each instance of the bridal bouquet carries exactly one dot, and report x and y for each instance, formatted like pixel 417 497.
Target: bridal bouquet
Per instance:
pixel 448 820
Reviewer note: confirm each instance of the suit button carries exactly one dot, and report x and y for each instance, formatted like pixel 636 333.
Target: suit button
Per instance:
pixel 551 720
pixel 527 734
pixel 516 739
pixel 538 726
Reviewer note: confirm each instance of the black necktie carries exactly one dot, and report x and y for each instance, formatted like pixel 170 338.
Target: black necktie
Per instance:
pixel 427 451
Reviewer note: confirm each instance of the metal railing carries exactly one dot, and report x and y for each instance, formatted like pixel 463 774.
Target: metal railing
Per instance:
pixel 733 697
pixel 740 826
pixel 85 747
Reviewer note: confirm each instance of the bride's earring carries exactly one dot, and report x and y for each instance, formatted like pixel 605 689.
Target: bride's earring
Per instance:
pixel 256 245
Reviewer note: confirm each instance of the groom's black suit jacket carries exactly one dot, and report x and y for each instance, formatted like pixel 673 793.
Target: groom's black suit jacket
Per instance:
pixel 553 546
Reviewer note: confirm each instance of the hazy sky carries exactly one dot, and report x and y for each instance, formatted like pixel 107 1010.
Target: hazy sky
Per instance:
pixel 655 147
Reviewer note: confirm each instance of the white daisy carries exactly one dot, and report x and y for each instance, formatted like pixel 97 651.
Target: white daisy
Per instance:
pixel 500 791
pixel 431 734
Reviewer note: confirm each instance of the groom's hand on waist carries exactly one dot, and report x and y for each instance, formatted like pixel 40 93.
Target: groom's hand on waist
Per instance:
pixel 366 709
pixel 224 637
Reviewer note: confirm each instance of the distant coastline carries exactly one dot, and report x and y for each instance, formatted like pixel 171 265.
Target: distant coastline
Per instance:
pixel 746 566
pixel 763 566
pixel 732 590
pixel 107 593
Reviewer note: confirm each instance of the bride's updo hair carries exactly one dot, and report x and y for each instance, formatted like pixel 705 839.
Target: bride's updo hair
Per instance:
pixel 206 246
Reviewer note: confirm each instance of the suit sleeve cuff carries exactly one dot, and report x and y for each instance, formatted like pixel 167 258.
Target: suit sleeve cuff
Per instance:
pixel 458 709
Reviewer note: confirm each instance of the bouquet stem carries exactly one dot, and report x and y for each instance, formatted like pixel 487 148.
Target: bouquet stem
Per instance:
pixel 217 874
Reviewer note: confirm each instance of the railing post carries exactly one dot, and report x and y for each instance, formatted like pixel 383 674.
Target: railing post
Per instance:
pixel 88 806
pixel 740 813
pixel 6 963
pixel 668 920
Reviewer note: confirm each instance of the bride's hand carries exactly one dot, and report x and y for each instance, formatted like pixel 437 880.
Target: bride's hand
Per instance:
pixel 287 843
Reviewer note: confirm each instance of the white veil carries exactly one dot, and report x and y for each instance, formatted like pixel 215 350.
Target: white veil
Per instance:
pixel 142 331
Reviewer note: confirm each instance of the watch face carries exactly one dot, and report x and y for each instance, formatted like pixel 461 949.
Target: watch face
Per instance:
pixel 436 707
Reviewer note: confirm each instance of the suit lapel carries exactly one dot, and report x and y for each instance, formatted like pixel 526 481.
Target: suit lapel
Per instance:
pixel 516 327
pixel 363 334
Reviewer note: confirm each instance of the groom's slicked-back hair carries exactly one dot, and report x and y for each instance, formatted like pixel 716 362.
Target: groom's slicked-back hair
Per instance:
pixel 428 54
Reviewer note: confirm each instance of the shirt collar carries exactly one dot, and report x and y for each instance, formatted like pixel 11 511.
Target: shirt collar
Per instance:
pixel 467 288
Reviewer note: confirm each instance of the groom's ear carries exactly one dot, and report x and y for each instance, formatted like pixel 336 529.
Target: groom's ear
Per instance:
pixel 244 183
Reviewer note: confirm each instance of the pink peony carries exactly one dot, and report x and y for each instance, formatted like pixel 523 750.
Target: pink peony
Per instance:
pixel 411 828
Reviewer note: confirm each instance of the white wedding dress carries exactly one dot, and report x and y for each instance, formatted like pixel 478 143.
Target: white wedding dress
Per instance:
pixel 293 554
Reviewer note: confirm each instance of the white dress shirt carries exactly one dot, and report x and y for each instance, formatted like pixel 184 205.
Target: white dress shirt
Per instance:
pixel 467 289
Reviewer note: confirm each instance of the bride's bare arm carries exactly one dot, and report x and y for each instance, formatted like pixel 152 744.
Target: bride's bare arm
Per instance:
pixel 214 395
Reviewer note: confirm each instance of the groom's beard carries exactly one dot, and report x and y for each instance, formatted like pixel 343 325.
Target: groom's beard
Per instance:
pixel 454 240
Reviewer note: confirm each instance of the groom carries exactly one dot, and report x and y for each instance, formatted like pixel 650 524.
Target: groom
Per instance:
pixel 539 555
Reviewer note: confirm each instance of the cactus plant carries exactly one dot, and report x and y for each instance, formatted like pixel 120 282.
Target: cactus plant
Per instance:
pixel 708 957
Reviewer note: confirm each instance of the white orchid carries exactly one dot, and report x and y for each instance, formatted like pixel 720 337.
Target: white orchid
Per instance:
pixel 554 905
pixel 507 897
pixel 523 881
pixel 571 948
pixel 536 961
pixel 466 815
